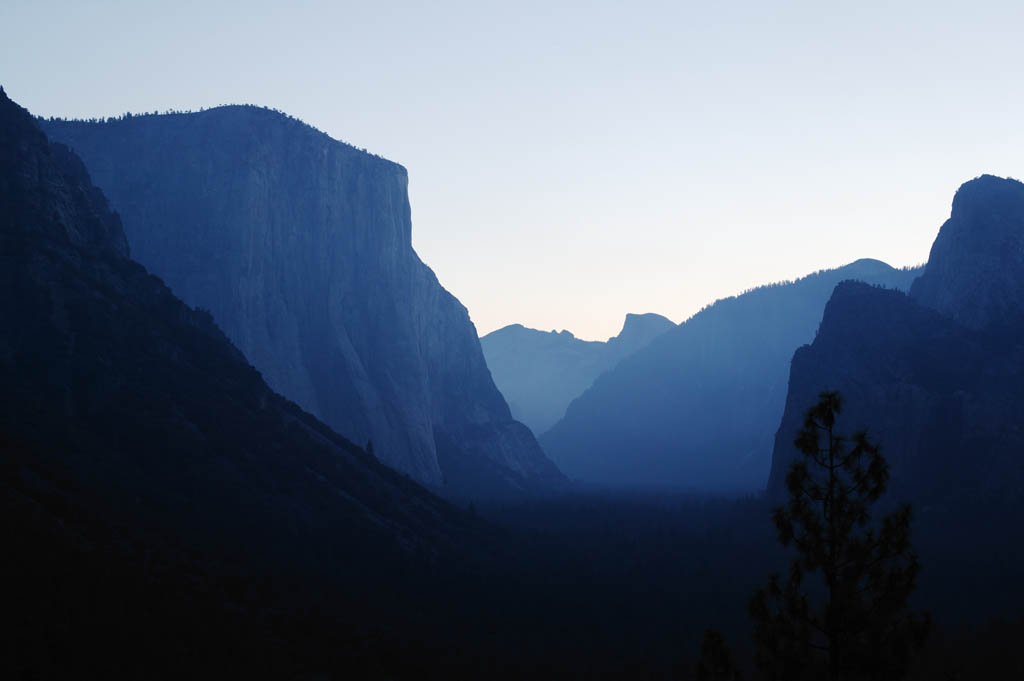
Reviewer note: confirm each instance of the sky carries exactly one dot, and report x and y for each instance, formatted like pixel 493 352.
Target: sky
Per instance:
pixel 572 162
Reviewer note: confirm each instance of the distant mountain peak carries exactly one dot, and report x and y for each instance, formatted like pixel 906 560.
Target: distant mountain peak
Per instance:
pixel 935 376
pixel 870 264
pixel 975 192
pixel 988 206
pixel 698 406
pixel 642 327
pixel 975 271
pixel 541 372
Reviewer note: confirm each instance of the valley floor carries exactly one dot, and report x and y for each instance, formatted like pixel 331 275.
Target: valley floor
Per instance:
pixel 589 585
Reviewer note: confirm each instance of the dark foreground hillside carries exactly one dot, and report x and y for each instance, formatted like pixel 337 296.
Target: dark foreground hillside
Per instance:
pixel 154 489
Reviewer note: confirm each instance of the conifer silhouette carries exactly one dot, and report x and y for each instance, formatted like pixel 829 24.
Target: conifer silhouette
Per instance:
pixel 851 621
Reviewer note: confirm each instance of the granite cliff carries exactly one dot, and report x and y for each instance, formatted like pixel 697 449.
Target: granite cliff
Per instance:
pixel 163 512
pixel 122 406
pixel 937 377
pixel 540 373
pixel 975 271
pixel 943 400
pixel 698 408
pixel 300 248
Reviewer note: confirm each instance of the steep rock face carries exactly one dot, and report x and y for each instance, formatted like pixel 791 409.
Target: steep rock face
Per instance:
pixel 698 408
pixel 944 401
pixel 638 330
pixel 975 271
pixel 45 190
pixel 540 373
pixel 937 377
pixel 122 407
pixel 300 247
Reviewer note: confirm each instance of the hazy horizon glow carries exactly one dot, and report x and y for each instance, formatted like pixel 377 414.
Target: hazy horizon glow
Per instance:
pixel 571 164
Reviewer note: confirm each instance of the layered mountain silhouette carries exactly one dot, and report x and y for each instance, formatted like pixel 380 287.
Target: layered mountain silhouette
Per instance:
pixel 699 407
pixel 121 402
pixel 165 514
pixel 540 373
pixel 158 501
pixel 300 248
pixel 936 376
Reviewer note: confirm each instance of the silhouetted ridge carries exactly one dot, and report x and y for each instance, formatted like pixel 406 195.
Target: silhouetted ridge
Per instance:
pixel 640 329
pixel 939 375
pixel 300 247
pixel 942 398
pixel 162 510
pixel 975 272
pixel 698 408
pixel 249 108
pixel 140 406
pixel 540 373
pixel 46 187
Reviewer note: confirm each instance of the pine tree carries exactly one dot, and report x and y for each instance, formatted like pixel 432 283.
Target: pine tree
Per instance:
pixel 852 620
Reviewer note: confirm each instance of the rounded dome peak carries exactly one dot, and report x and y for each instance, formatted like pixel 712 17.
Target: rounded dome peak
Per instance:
pixel 975 271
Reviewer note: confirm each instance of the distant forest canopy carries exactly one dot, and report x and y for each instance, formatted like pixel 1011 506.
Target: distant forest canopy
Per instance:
pixel 787 282
pixel 128 115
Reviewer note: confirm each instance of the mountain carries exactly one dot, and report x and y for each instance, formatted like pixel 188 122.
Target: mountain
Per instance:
pixel 698 408
pixel 154 491
pixel 975 271
pixel 540 373
pixel 936 376
pixel 300 247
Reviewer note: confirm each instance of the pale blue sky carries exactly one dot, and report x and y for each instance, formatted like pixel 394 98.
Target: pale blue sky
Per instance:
pixel 570 164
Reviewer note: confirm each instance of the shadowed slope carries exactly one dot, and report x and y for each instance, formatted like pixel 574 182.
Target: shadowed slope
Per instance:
pixel 133 407
pixel 300 247
pixel 698 408
pixel 938 376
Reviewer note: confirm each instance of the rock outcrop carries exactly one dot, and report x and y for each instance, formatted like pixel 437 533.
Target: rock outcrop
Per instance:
pixel 698 408
pixel 121 407
pixel 975 271
pixel 300 247
pixel 936 377
pixel 540 373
